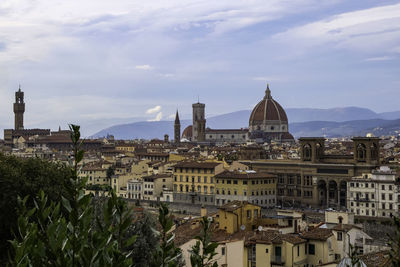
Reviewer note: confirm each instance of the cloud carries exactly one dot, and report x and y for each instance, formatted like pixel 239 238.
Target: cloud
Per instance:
pixel 143 67
pixel 366 30
pixel 384 58
pixel 153 110
pixel 158 117
pixel 167 75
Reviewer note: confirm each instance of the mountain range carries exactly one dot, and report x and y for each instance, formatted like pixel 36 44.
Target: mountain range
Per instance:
pixel 334 122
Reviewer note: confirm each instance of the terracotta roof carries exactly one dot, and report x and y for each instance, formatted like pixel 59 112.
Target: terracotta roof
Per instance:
pixel 318 234
pixel 188 132
pixel 293 238
pixel 152 154
pixel 344 227
pixel 234 205
pixel 267 110
pixel 195 164
pixel 244 175
pixel 377 259
pixel 157 176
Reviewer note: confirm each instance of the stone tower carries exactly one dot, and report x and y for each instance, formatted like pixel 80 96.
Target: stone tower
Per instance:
pixel 177 129
pixel 19 109
pixel 199 122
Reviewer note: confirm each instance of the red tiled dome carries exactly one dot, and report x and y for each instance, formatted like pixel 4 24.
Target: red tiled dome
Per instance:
pixel 188 132
pixel 267 110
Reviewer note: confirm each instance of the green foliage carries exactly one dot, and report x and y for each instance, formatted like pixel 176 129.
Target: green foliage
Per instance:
pixel 47 236
pixel 395 243
pixel 26 177
pixel 166 255
pixel 203 252
pixel 146 241
pixel 110 172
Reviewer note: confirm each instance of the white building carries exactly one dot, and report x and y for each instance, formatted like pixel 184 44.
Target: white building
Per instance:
pixel 135 189
pixel 374 194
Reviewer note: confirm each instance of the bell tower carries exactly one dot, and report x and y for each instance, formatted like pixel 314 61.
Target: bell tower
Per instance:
pixel 177 129
pixel 19 109
pixel 199 122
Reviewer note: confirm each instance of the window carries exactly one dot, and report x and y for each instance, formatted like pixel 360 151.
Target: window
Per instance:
pixel 249 214
pixel 383 187
pixel 298 251
pixel 223 251
pixel 383 197
pixel 228 181
pixel 339 236
pixel 199 179
pixel 266 250
pixel 311 249
pixel 244 182
pixel 205 179
pixel 235 182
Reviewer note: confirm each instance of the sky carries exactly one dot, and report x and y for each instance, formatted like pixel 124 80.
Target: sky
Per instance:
pixel 100 62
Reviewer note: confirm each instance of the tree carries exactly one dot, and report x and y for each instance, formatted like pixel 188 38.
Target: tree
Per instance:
pixel 26 177
pixel 110 172
pixel 46 236
pixel 395 243
pixel 146 241
pixel 166 254
pixel 203 252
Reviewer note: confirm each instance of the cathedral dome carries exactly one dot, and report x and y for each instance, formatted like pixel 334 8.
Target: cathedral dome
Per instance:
pixel 268 116
pixel 188 133
pixel 267 110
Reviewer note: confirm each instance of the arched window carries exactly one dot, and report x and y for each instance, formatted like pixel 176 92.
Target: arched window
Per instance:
pixel 307 153
pixel 361 152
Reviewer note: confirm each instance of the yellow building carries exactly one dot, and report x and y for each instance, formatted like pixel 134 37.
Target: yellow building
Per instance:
pixel 256 188
pixel 238 215
pixel 271 248
pixel 95 173
pixel 194 181
pixel 321 246
pixel 125 147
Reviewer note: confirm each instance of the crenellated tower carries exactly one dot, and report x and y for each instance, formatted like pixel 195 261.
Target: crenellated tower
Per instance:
pixel 199 122
pixel 19 109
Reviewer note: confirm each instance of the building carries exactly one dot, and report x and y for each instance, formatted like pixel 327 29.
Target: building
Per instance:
pixel 134 189
pixel 194 181
pixel 319 179
pixel 374 194
pixel 11 135
pixel 177 129
pixel 268 122
pixel 237 215
pixel 250 186
pixel 154 186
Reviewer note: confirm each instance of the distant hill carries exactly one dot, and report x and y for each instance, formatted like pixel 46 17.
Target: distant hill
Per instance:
pixel 333 122
pixel 377 127
pixel 331 114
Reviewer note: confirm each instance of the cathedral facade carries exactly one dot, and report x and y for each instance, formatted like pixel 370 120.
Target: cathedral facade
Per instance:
pixel 268 122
